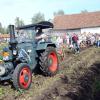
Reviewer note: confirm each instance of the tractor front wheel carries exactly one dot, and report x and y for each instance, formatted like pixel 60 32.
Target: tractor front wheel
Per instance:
pixel 22 76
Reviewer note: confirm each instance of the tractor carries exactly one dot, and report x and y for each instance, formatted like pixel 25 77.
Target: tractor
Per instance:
pixel 24 54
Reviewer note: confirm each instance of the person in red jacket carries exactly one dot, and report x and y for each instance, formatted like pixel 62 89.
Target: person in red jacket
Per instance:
pixel 75 43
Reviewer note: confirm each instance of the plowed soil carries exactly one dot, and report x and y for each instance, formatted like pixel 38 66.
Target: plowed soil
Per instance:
pixel 78 79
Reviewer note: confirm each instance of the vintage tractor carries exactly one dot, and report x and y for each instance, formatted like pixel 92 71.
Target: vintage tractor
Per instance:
pixel 24 53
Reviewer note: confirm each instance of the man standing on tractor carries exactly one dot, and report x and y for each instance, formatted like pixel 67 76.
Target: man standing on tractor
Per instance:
pixel 75 43
pixel 40 36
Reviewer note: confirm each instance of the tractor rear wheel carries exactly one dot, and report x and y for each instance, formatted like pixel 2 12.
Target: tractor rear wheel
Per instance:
pixel 22 76
pixel 49 61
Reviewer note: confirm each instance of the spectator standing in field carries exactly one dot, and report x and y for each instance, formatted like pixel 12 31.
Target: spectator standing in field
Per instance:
pixel 67 40
pixel 70 42
pixel 98 40
pixel 92 39
pixel 59 42
pixel 75 43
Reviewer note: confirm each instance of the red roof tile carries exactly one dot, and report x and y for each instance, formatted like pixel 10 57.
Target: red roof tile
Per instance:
pixel 4 36
pixel 82 20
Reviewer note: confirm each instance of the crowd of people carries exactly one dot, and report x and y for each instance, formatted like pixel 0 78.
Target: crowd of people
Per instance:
pixel 77 41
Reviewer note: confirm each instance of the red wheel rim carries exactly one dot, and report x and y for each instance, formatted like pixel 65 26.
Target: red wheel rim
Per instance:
pixel 53 62
pixel 25 77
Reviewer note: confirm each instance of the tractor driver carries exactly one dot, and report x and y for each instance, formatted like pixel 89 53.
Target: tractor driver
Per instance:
pixel 40 36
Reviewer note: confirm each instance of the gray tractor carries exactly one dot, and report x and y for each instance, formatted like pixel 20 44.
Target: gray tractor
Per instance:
pixel 24 53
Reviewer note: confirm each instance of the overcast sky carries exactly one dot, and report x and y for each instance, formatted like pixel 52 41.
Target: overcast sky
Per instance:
pixel 25 9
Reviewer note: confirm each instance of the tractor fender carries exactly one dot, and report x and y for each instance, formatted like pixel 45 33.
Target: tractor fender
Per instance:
pixel 44 45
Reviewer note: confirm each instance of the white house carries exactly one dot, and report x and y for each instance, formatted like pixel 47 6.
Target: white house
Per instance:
pixel 82 23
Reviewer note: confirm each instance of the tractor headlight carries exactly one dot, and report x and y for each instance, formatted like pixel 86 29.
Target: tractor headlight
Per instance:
pixel 6 56
pixel 2 70
pixel 14 52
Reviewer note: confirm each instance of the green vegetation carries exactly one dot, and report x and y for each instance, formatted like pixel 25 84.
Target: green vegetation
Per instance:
pixel 3 30
pixel 1 91
pixel 38 17
pixel 60 12
pixel 97 85
pixel 19 22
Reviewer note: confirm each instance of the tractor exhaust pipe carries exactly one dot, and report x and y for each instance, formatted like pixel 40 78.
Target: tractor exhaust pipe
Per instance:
pixel 13 41
pixel 12 34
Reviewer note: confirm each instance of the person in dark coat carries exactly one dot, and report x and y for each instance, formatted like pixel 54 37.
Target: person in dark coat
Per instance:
pixel 75 43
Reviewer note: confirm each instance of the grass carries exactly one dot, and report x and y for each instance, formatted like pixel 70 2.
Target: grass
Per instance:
pixel 1 91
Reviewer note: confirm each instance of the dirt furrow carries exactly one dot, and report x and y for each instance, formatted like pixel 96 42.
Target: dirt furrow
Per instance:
pixel 70 69
pixel 73 82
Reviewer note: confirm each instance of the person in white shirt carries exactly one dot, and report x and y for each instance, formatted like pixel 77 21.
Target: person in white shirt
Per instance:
pixel 59 41
pixel 40 36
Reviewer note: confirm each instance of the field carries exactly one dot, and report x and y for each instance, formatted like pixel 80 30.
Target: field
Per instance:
pixel 78 79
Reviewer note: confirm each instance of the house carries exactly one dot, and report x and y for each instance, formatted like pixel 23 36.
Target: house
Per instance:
pixel 4 37
pixel 82 23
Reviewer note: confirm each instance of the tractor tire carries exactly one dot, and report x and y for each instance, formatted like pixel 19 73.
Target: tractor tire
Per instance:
pixel 49 62
pixel 22 76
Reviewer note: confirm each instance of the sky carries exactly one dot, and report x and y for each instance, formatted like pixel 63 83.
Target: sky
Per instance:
pixel 25 9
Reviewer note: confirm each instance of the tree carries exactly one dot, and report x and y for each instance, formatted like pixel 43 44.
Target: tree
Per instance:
pixel 84 11
pixel 19 22
pixel 38 17
pixel 50 20
pixel 0 28
pixel 3 30
pixel 60 12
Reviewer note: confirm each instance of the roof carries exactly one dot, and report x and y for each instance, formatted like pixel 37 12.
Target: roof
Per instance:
pixel 42 25
pixel 4 36
pixel 75 21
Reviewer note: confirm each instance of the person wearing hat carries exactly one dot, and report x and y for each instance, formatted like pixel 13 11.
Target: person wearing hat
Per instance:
pixel 40 36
